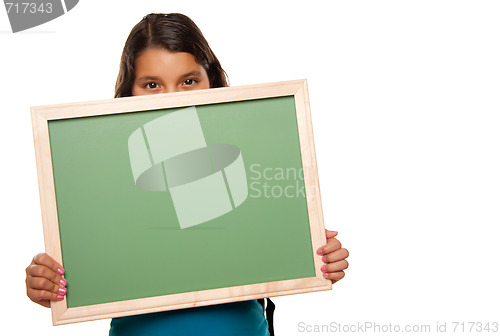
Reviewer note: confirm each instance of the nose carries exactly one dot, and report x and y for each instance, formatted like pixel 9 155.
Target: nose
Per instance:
pixel 171 89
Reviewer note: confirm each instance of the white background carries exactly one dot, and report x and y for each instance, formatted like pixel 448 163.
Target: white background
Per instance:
pixel 406 114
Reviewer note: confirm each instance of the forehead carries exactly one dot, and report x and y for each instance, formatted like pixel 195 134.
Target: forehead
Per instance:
pixel 162 62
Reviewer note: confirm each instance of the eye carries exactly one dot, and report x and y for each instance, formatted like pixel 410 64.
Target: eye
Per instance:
pixel 151 85
pixel 189 82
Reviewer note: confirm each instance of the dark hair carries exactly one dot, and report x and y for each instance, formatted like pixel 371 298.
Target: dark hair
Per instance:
pixel 175 33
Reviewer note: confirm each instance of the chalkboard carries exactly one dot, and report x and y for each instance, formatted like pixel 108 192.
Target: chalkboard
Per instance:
pixel 179 200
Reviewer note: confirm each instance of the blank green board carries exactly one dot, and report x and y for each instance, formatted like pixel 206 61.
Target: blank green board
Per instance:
pixel 120 242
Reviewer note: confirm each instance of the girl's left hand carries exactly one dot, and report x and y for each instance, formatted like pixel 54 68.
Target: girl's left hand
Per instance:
pixel 334 257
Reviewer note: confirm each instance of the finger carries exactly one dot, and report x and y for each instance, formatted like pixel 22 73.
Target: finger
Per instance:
pixel 331 234
pixel 332 245
pixel 335 266
pixel 41 271
pixel 45 260
pixel 45 303
pixel 43 297
pixel 335 256
pixel 336 276
pixel 38 283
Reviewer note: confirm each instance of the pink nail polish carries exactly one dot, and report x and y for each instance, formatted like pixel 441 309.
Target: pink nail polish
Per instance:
pixel 60 271
pixel 63 282
pixel 323 268
pixel 60 297
pixel 325 275
pixel 319 252
pixel 62 290
pixel 324 259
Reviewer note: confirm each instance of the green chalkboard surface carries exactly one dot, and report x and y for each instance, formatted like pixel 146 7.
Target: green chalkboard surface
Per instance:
pixel 182 199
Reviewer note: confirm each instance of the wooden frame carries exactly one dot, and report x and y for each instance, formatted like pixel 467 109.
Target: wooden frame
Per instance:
pixel 42 115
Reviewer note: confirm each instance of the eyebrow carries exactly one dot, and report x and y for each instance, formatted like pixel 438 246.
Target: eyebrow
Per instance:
pixel 192 73
pixel 189 74
pixel 148 78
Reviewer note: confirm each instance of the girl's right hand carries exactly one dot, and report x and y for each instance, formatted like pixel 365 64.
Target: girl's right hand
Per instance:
pixel 44 280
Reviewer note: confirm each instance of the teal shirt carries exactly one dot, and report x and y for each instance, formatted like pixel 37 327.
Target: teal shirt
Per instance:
pixel 244 318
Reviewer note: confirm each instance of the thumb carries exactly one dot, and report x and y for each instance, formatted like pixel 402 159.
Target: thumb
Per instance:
pixel 330 234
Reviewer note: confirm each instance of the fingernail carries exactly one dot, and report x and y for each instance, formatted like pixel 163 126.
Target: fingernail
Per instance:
pixel 325 275
pixel 63 282
pixel 323 268
pixel 62 290
pixel 60 297
pixel 324 258
pixel 319 251
pixel 60 271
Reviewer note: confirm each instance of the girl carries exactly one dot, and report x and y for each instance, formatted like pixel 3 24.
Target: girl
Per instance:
pixel 168 53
